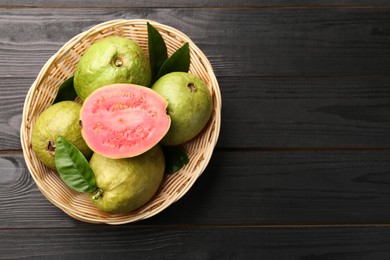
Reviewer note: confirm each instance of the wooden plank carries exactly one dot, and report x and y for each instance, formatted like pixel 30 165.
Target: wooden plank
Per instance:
pixel 188 3
pixel 268 112
pixel 305 112
pixel 239 188
pixel 288 188
pixel 197 243
pixel 238 42
pixel 12 95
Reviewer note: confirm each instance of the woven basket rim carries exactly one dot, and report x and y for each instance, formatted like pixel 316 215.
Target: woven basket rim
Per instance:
pixel 206 155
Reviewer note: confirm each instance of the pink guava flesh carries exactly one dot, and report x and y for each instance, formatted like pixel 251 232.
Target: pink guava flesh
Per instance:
pixel 123 120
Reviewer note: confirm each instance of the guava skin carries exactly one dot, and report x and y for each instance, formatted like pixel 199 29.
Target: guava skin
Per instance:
pixel 111 60
pixel 127 184
pixel 59 119
pixel 189 105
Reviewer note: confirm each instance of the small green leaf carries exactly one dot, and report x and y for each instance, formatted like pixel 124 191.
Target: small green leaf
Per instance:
pixel 179 61
pixel 72 166
pixel 66 91
pixel 157 50
pixel 175 158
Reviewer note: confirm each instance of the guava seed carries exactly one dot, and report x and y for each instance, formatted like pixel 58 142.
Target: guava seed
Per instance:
pixel 192 87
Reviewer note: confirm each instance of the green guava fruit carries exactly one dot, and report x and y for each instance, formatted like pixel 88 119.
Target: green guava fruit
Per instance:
pixel 59 119
pixel 126 184
pixel 189 105
pixel 111 60
pixel 123 120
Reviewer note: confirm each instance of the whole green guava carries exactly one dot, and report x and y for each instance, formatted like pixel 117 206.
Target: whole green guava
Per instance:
pixel 111 60
pixel 127 184
pixel 189 105
pixel 59 119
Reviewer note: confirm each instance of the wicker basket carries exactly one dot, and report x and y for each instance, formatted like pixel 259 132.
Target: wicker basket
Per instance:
pixel 61 66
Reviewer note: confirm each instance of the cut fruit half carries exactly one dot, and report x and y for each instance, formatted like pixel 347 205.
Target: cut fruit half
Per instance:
pixel 123 120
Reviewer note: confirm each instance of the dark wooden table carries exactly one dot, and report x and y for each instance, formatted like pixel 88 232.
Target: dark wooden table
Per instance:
pixel 302 166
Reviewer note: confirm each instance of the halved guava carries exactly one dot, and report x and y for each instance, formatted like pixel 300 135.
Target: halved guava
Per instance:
pixel 123 120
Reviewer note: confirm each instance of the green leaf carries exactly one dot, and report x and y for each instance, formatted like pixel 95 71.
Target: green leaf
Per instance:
pixel 157 50
pixel 66 91
pixel 175 158
pixel 179 61
pixel 72 166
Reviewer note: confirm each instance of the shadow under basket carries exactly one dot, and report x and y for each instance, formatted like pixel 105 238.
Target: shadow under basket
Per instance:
pixel 61 66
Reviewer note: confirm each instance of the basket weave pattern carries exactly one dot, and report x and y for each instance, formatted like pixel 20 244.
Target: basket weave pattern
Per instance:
pixel 61 66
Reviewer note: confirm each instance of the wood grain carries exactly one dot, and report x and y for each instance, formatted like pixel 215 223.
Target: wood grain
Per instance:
pixel 239 188
pixel 197 243
pixel 238 42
